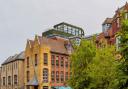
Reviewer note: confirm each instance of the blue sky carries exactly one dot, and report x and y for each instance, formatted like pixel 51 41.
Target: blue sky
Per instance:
pixel 22 19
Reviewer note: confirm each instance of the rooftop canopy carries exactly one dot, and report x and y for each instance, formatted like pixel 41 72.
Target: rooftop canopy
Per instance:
pixel 62 87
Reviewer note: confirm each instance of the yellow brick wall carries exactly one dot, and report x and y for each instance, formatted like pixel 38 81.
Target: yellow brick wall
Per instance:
pixel 39 50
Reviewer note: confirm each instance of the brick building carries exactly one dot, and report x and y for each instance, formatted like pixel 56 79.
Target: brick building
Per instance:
pixel 47 62
pixel 111 26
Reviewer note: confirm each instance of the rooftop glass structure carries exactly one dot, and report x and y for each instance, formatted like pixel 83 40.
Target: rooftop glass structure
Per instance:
pixel 68 28
pixel 65 29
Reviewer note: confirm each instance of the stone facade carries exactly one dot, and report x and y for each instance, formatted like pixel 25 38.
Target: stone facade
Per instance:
pixel 12 71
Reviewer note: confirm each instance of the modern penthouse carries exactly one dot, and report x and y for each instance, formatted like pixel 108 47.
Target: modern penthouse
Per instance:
pixel 65 30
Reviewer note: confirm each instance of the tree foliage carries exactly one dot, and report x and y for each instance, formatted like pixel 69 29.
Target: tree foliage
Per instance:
pixel 103 69
pixel 80 59
pixel 93 68
pixel 123 33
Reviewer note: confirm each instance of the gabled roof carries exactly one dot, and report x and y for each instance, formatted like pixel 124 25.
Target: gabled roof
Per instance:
pixel 108 21
pixel 123 7
pixel 56 44
pixel 20 56
pixel 30 42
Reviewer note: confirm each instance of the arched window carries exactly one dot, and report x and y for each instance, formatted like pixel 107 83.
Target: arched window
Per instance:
pixel 45 75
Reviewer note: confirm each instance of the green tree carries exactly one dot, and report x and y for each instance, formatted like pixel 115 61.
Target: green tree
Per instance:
pixel 80 59
pixel 103 69
pixel 93 68
pixel 123 78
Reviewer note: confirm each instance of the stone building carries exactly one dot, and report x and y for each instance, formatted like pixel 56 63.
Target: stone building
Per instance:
pixel 12 72
pixel 47 63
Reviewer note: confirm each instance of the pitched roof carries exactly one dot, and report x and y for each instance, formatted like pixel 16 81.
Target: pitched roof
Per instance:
pixel 108 21
pixel 19 56
pixel 31 42
pixel 123 7
pixel 57 45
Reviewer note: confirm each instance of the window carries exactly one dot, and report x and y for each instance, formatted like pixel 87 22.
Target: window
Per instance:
pixel 80 32
pixel 62 76
pixel 9 80
pixel 27 62
pixel 35 59
pixel 52 60
pixel 126 15
pixel 3 80
pixel 66 64
pixel 45 75
pixel 16 65
pixel 76 32
pixel 66 76
pixel 3 68
pixel 65 28
pixel 73 31
pixel 117 43
pixel 53 76
pixel 69 30
pixel 45 58
pixel 57 76
pixel 15 79
pixel 118 22
pixel 28 87
pixel 28 76
pixel 62 62
pixel 45 87
pixel 57 61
